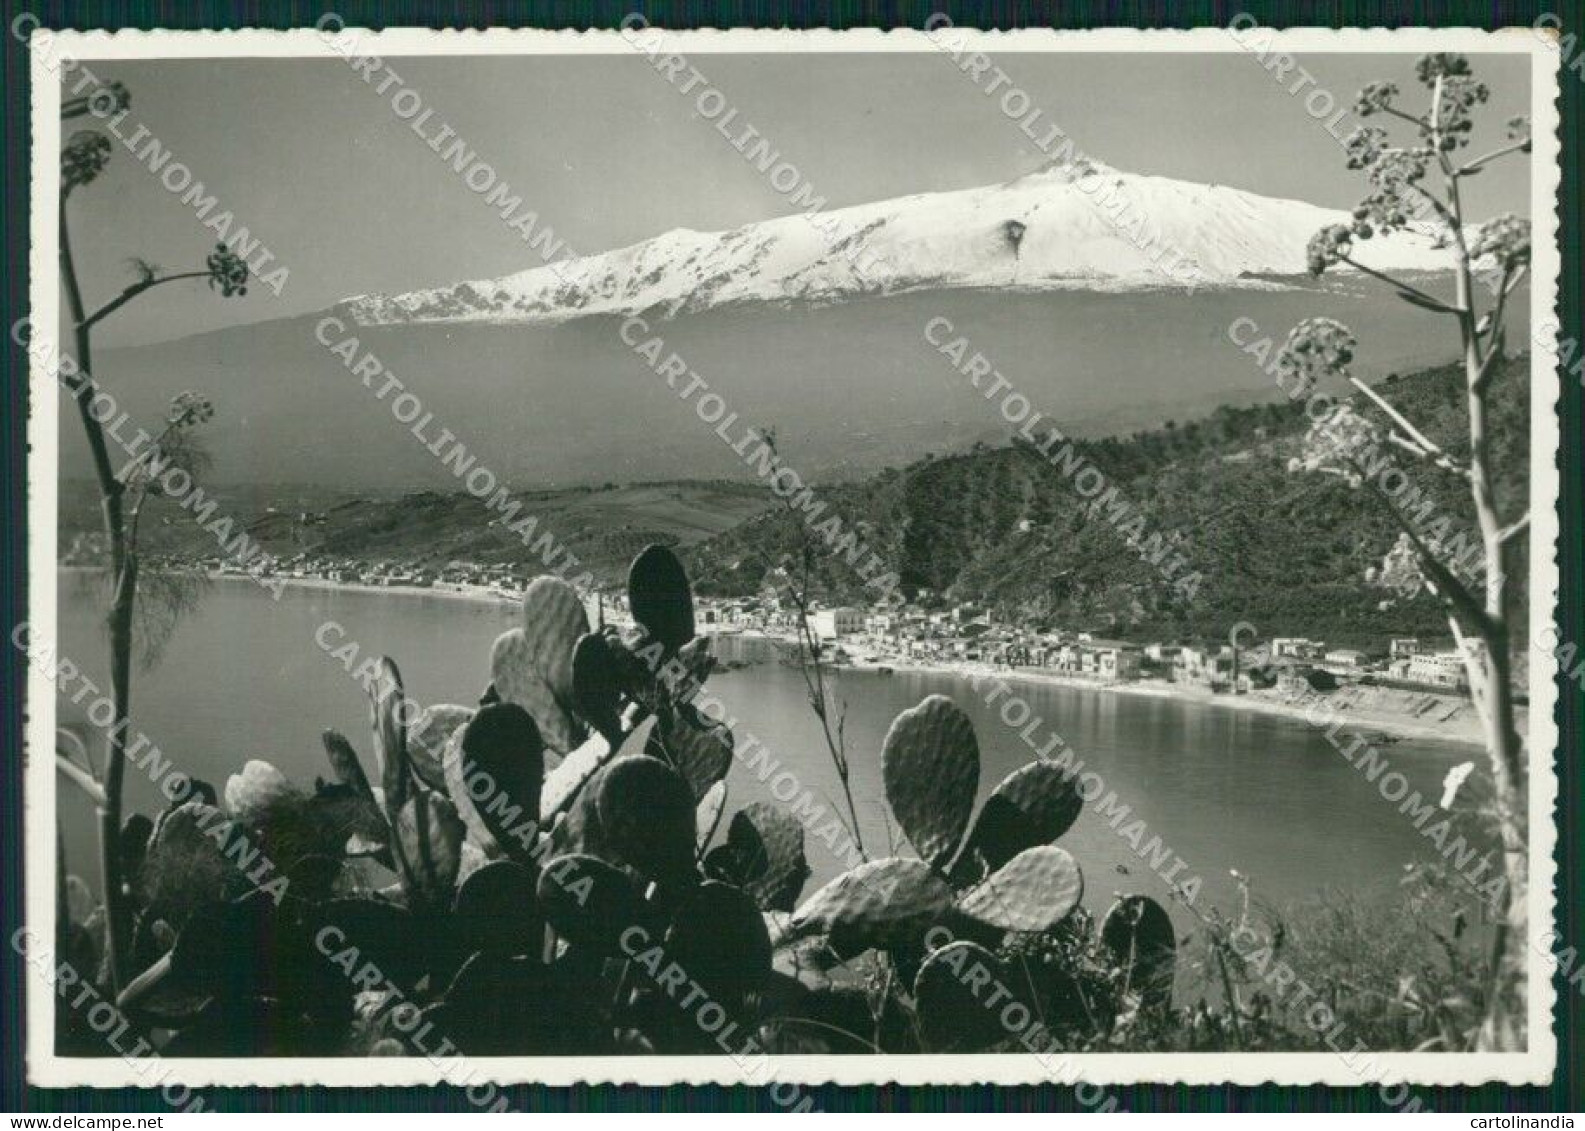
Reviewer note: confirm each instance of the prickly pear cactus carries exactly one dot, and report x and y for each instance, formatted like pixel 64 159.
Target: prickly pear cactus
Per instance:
pixel 1033 805
pixel 764 855
pixel 707 815
pixel 880 904
pixel 387 711
pixel 931 766
pixel 660 598
pixel 646 818
pixel 428 843
pixel 497 910
pixel 344 762
pixel 719 936
pixel 494 774
pixel 184 868
pixel 589 902
pixel 426 741
pixel 553 621
pixel 598 685
pixel 951 990
pixel 1138 933
pixel 517 679
pixel 697 749
pixel 258 790
pixel 1034 891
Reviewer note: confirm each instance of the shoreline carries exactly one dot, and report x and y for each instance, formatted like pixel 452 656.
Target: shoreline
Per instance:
pixel 482 598
pixel 1459 726
pixel 1464 732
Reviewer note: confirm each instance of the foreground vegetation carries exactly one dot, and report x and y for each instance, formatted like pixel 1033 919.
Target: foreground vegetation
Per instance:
pixel 464 892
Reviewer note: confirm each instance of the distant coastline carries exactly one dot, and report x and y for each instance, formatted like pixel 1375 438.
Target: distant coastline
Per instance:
pixel 1367 710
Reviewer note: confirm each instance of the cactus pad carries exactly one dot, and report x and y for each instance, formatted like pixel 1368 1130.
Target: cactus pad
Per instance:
pixel 497 910
pixel 516 678
pixel 646 818
pixel 500 770
pixel 931 766
pixel 720 938
pixel 254 793
pixel 879 904
pixel 426 741
pixel 1138 933
pixel 429 837
pixel 1033 805
pixel 184 869
pixel 700 751
pixel 553 620
pixel 769 844
pixel 589 902
pixel 345 764
pixel 387 706
pixel 660 597
pixel 1034 891
pixel 950 995
pixel 597 684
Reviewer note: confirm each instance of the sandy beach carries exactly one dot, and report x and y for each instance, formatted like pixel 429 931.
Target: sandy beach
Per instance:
pixel 1403 714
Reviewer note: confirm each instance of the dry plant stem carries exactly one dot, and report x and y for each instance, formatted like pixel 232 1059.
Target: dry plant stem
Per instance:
pixel 1496 688
pixel 813 671
pixel 123 567
pixel 814 678
pixel 1480 620
pixel 1233 1006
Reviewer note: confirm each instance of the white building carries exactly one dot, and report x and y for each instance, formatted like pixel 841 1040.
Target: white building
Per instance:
pixel 1439 669
pixel 1296 647
pixel 829 624
pixel 1402 646
pixel 1348 659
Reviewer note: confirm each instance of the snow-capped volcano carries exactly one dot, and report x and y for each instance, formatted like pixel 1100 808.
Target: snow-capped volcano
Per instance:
pixel 1075 227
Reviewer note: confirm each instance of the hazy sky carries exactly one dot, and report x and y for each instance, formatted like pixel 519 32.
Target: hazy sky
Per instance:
pixel 316 163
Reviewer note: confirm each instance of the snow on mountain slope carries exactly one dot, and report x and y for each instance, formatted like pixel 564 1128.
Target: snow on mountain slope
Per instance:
pixel 1086 227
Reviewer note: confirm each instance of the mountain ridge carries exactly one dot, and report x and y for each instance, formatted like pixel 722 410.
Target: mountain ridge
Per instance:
pixel 548 388
pixel 1053 229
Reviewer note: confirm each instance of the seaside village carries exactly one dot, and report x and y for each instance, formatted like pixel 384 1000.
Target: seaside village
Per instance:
pixel 935 632
pixel 968 634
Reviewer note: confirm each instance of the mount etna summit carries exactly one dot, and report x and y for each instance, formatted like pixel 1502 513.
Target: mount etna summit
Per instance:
pixel 1087 287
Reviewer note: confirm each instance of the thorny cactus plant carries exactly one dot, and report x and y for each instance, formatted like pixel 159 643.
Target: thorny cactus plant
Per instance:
pixel 982 900
pixel 514 887
pixel 541 874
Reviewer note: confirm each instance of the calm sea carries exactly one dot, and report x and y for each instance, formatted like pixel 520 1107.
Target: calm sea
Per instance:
pixel 243 678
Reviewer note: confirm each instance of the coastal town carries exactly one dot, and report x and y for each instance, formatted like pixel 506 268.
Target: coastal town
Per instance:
pixel 935 632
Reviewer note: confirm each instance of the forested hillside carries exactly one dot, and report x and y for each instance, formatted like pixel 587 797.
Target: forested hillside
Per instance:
pixel 1285 550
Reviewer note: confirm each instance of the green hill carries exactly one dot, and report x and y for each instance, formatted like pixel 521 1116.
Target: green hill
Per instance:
pixel 604 526
pixel 1284 550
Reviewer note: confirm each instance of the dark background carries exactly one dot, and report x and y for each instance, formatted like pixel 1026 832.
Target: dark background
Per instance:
pixel 1565 1093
